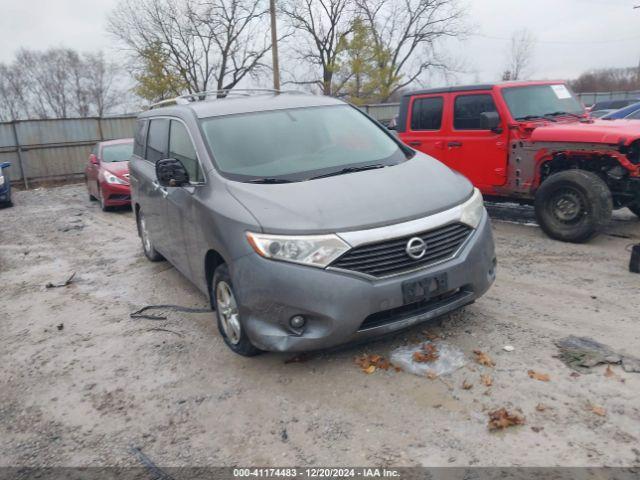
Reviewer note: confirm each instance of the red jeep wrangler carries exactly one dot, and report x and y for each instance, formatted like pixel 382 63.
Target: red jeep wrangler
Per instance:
pixel 531 142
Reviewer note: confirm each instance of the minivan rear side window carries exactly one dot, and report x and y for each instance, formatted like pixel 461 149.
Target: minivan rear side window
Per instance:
pixel 181 148
pixel 140 138
pixel 467 110
pixel 157 140
pixel 426 113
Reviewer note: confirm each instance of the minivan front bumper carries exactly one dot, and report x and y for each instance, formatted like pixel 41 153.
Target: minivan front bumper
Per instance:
pixel 341 307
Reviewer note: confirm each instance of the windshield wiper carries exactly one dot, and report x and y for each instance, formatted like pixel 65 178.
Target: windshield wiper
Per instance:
pixel 349 170
pixel 537 117
pixel 561 113
pixel 270 180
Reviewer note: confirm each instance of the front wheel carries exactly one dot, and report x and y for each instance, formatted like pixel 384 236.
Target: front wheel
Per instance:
pixel 228 314
pixel 573 206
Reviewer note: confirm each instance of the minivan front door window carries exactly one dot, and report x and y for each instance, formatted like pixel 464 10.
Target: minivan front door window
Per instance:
pixel 157 140
pixel 181 148
pixel 297 144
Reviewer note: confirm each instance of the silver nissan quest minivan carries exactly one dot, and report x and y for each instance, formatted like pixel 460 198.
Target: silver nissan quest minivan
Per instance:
pixel 306 222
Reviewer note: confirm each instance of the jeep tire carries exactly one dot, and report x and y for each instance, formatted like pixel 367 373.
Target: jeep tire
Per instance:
pixel 573 206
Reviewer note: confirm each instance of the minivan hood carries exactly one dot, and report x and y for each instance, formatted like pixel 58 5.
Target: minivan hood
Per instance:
pixel 416 188
pixel 595 131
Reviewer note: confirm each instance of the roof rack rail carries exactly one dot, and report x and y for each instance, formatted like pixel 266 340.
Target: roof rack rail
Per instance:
pixel 220 95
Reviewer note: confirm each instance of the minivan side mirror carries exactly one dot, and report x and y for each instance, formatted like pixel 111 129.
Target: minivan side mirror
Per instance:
pixel 490 121
pixel 170 172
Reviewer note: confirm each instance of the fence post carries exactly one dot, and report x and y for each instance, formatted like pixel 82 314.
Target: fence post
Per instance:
pixel 100 129
pixel 19 153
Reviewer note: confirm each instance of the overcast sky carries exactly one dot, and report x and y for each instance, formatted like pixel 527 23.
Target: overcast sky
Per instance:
pixel 572 35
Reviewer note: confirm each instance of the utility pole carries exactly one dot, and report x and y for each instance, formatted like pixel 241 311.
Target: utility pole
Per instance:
pixel 274 45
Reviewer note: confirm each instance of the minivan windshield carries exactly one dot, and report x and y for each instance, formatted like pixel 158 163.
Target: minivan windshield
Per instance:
pixel 120 152
pixel 298 143
pixel 541 101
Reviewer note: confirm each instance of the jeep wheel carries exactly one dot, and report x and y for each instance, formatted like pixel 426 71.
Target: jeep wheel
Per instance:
pixel 228 314
pixel 147 246
pixel 573 206
pixel 635 208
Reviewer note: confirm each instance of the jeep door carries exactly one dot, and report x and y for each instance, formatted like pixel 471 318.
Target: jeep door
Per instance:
pixel 424 128
pixel 481 155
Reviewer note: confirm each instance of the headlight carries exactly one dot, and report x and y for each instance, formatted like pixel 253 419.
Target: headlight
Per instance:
pixel 472 210
pixel 317 251
pixel 111 178
pixel 1 180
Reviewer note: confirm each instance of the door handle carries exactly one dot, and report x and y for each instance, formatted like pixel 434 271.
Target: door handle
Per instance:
pixel 414 144
pixel 454 144
pixel 157 186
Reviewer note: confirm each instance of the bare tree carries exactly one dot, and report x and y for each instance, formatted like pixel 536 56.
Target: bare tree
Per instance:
pixel 406 35
pixel 206 44
pixel 520 55
pixel 101 86
pixel 58 83
pixel 13 95
pixel 320 30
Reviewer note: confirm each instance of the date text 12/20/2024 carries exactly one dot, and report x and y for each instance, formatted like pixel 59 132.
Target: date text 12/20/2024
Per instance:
pixel 318 473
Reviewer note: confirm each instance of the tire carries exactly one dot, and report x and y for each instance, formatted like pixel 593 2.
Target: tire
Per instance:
pixel 147 245
pixel 92 198
pixel 573 206
pixel 227 316
pixel 103 205
pixel 635 208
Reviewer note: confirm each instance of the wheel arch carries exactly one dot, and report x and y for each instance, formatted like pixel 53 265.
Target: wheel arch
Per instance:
pixel 212 260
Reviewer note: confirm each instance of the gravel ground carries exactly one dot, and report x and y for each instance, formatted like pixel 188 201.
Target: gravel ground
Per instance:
pixel 81 382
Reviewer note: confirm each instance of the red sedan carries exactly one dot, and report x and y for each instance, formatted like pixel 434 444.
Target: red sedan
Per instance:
pixel 107 173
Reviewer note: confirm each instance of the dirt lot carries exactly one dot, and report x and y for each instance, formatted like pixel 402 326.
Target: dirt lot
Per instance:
pixel 81 382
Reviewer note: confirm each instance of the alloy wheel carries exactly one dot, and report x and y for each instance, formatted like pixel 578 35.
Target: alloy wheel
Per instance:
pixel 227 308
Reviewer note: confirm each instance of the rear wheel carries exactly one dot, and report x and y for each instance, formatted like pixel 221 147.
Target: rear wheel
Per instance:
pixel 573 206
pixel 147 245
pixel 228 314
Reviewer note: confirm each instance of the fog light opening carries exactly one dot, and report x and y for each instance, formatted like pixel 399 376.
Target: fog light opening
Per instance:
pixel 297 324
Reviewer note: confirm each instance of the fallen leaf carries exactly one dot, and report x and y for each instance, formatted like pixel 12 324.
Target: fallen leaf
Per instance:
pixel 537 429
pixel 484 359
pixel 501 419
pixel 598 410
pixel 429 335
pixel 466 385
pixel 541 407
pixel 431 376
pixel 543 377
pixel 609 372
pixel 427 353
pixel 574 374
pixel 370 363
pixel 486 380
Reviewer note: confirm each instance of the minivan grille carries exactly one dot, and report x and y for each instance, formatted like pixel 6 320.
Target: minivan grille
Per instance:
pixel 390 257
